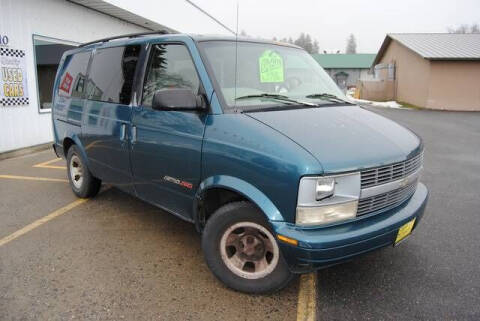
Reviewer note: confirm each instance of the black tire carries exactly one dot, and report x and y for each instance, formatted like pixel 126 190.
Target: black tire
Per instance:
pixel 90 185
pixel 217 225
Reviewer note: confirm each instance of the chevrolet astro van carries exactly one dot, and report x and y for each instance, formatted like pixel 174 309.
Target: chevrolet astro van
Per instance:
pixel 249 140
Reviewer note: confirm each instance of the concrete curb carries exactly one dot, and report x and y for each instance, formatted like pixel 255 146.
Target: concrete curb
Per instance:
pixel 25 151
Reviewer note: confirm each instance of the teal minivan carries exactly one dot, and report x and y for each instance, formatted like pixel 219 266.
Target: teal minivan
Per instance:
pixel 249 140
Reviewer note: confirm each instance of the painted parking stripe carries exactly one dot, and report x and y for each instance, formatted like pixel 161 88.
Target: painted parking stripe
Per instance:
pixel 307 297
pixel 34 178
pixel 47 164
pixel 47 218
pixel 41 221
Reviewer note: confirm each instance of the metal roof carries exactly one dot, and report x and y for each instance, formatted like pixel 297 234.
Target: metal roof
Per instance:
pixel 436 46
pixel 344 60
pixel 119 13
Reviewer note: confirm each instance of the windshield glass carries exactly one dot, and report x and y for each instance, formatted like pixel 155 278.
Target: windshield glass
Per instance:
pixel 268 75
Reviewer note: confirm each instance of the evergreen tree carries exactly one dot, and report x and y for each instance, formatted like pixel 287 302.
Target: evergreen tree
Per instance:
pixel 315 48
pixel 474 28
pixel 351 45
pixel 308 44
pixel 304 41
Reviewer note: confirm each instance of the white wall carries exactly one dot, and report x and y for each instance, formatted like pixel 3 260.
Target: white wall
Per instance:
pixel 23 126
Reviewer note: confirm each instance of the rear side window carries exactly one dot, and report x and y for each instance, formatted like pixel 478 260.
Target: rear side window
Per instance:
pixel 111 74
pixel 73 76
pixel 171 66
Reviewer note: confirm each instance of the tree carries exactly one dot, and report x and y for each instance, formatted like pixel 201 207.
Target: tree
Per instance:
pixel 308 44
pixel 304 41
pixel 351 45
pixel 315 48
pixel 300 41
pixel 473 28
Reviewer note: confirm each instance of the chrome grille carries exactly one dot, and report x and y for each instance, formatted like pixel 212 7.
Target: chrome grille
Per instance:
pixel 389 199
pixel 392 172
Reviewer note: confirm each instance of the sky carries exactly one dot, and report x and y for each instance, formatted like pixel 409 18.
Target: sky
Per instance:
pixel 328 21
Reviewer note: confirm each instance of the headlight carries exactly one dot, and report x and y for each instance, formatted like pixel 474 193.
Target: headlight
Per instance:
pixel 325 188
pixel 326 214
pixel 327 199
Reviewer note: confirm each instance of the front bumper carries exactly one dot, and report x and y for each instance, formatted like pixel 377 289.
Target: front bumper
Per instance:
pixel 325 246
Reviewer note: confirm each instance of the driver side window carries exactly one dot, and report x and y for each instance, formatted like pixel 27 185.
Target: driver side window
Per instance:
pixel 170 66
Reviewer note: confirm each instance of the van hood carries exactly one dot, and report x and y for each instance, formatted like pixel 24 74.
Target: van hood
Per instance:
pixel 344 138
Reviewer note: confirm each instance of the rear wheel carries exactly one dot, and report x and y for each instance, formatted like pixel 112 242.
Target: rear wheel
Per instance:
pixel 83 183
pixel 241 250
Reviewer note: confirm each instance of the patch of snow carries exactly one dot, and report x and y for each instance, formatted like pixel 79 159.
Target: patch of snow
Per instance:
pixel 386 104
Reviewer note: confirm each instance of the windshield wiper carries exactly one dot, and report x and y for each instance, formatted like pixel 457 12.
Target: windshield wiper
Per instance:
pixel 277 97
pixel 329 97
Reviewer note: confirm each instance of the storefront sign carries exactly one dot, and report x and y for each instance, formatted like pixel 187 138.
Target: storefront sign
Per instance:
pixel 13 77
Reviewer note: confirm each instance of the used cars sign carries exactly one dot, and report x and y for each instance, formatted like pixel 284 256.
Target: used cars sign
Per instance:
pixel 13 80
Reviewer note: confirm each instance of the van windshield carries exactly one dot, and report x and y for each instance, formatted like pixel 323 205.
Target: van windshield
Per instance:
pixel 268 75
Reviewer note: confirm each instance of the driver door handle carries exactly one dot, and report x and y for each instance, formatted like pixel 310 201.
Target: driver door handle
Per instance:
pixel 133 139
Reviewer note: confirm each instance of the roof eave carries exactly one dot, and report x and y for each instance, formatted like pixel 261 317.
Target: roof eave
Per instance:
pixel 113 11
pixel 453 58
pixel 386 42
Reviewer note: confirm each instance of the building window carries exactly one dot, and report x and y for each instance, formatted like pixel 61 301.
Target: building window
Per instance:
pixel 48 52
pixel 341 79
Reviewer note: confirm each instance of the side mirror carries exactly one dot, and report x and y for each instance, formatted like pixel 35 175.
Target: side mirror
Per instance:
pixel 176 99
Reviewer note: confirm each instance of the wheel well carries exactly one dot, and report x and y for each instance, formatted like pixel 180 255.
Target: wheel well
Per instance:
pixel 213 199
pixel 67 143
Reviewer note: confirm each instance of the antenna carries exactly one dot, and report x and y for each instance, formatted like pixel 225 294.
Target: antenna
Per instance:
pixel 236 59
pixel 209 15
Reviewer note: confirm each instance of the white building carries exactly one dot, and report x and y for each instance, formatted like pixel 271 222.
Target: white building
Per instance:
pixel 33 36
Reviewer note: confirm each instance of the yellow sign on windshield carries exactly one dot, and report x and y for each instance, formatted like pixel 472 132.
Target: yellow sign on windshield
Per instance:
pixel 271 67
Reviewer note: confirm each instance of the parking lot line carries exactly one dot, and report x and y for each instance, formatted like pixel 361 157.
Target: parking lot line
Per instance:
pixel 47 164
pixel 34 178
pixel 41 221
pixel 307 297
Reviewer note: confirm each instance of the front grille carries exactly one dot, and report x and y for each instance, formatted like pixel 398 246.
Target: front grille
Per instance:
pixel 389 199
pixel 392 172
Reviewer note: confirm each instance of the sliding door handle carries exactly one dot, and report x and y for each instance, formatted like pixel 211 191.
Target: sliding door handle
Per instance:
pixel 123 132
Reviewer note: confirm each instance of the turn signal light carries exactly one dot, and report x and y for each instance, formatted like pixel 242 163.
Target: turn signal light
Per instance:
pixel 287 240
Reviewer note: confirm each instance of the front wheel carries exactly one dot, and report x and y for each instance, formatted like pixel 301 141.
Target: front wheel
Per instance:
pixel 241 250
pixel 83 183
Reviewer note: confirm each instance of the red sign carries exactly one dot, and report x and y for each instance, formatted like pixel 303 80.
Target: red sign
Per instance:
pixel 66 83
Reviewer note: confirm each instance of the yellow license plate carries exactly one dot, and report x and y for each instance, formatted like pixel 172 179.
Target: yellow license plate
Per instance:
pixel 404 231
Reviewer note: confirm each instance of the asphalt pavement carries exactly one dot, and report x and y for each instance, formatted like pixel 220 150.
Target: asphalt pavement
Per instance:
pixel 435 274
pixel 118 258
pixel 111 258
